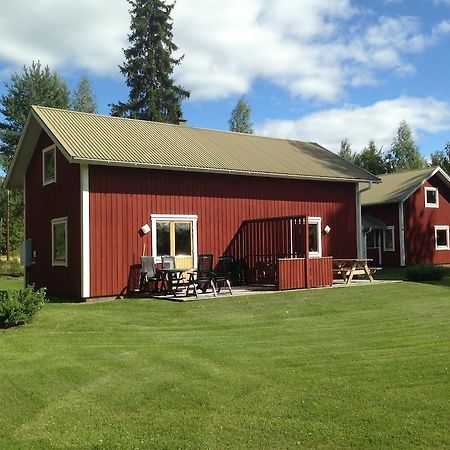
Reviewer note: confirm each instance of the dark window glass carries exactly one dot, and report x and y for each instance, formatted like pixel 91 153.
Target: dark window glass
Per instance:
pixel 59 242
pixel 431 197
pixel 49 165
pixel 441 238
pixel 163 238
pixel 314 237
pixel 183 239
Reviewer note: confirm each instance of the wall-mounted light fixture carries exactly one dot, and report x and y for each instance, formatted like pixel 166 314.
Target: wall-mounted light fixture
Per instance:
pixel 327 229
pixel 145 229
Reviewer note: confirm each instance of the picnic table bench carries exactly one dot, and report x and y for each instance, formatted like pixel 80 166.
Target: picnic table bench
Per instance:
pixel 348 268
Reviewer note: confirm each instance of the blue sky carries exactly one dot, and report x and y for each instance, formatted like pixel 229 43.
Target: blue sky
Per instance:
pixel 313 70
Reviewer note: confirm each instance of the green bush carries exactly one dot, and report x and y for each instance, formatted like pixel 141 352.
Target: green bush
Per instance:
pixel 19 307
pixel 13 267
pixel 425 272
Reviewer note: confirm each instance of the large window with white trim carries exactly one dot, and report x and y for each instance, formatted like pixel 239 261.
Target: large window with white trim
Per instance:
pixel 315 236
pixel 49 165
pixel 431 197
pixel 175 235
pixel 389 239
pixel 441 237
pixel 59 242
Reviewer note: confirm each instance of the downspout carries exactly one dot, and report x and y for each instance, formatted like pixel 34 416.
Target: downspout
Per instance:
pixel 359 232
pixel 401 232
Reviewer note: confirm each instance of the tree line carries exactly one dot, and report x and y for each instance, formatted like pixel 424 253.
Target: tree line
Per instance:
pixel 404 154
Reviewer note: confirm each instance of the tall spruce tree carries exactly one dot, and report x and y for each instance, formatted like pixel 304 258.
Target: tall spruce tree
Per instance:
pixel 371 159
pixel 36 85
pixel 346 151
pixel 240 117
pixel 404 153
pixel 149 65
pixel 83 99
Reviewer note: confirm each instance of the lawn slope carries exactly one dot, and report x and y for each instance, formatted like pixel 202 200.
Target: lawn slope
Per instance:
pixel 335 368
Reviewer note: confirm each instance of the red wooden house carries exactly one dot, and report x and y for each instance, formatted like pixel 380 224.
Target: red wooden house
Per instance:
pixel 91 182
pixel 406 218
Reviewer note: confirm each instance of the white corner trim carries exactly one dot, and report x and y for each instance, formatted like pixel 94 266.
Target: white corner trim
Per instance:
pixel 401 234
pixel 359 230
pixel 171 218
pixel 85 232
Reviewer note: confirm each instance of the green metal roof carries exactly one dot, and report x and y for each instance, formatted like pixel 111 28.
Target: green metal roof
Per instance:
pixel 397 187
pixel 97 139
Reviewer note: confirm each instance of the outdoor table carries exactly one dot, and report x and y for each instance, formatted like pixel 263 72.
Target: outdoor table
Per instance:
pixel 347 268
pixel 171 280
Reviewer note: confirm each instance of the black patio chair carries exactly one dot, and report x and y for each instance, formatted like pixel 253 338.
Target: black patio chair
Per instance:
pixel 176 279
pixel 203 276
pixel 149 274
pixel 223 273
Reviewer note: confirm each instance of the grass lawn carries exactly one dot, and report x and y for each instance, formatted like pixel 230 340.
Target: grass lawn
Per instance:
pixel 9 283
pixel 362 367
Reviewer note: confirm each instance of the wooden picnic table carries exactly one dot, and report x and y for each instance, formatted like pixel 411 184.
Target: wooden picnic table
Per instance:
pixel 348 268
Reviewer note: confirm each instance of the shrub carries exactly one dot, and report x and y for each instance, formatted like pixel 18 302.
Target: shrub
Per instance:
pixel 425 272
pixel 19 307
pixel 13 267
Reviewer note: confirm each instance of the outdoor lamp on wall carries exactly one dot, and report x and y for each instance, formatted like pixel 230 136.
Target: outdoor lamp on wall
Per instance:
pixel 145 229
pixel 327 229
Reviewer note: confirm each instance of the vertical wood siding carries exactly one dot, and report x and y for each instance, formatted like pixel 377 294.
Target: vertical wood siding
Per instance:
pixel 292 273
pixel 44 203
pixel 321 271
pixel 420 222
pixel 122 199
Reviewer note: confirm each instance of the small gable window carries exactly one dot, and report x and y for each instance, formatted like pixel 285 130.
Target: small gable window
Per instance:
pixel 441 237
pixel 431 197
pixel 59 242
pixel 389 242
pixel 49 165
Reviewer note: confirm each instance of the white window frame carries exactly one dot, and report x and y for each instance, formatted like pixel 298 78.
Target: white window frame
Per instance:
pixel 441 228
pixel 391 229
pixel 51 148
pixel 174 218
pixel 431 205
pixel 316 221
pixel 59 221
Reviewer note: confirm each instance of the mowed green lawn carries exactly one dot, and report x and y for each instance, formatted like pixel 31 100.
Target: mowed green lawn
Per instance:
pixel 362 367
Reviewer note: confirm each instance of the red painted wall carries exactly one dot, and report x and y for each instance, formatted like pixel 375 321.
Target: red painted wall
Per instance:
pixel 44 203
pixel 420 222
pixel 122 199
pixel 389 215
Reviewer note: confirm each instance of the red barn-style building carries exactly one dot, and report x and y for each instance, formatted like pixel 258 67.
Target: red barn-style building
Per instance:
pixel 91 182
pixel 406 218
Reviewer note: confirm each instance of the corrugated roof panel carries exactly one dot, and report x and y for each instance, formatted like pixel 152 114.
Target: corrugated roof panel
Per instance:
pixel 127 141
pixel 394 187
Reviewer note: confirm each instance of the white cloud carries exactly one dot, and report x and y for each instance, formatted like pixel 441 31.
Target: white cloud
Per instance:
pixel 360 124
pixel 312 48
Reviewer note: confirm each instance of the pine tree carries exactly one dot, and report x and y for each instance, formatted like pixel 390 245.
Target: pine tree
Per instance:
pixel 149 65
pixel 83 100
pixel 37 85
pixel 346 151
pixel 371 159
pixel 442 158
pixel 240 117
pixel 404 153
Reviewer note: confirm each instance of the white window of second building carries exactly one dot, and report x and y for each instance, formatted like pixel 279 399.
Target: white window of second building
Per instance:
pixel 315 236
pixel 441 237
pixel 431 197
pixel 49 165
pixel 389 239
pixel 59 242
